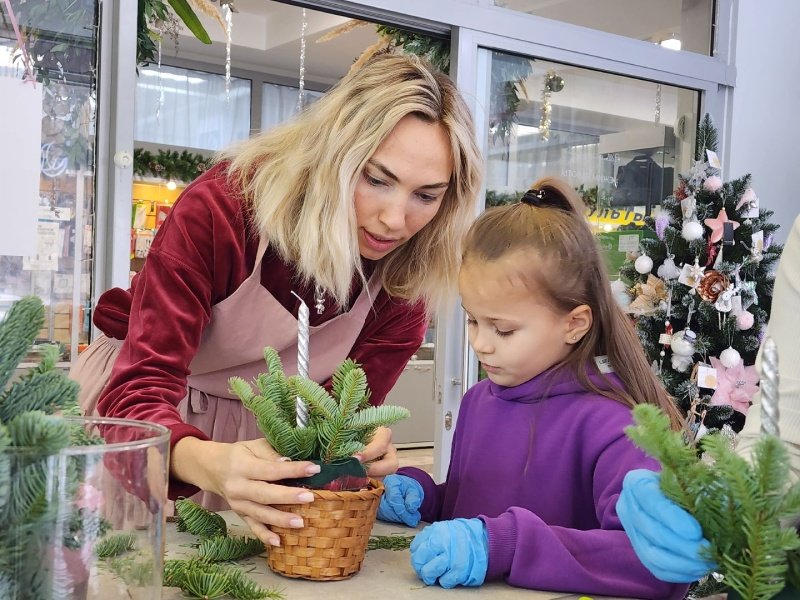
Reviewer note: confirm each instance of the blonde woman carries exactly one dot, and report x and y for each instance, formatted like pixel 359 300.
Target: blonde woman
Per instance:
pixel 357 206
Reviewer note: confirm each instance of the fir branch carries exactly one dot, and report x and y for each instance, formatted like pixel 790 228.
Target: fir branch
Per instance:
pixel 706 138
pixel 197 520
pixel 378 416
pixel 316 397
pixel 115 545
pixel 41 391
pixel 738 505
pixel 135 570
pixel 337 380
pixel 224 548
pixel 353 389
pixel 35 429
pixel 17 331
pixel 205 585
pixel 390 542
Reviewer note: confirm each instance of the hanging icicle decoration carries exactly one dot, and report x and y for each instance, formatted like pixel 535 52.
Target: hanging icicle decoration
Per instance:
pixel 301 95
pixel 226 8
pixel 544 120
pixel 553 82
pixel 160 82
pixel 657 116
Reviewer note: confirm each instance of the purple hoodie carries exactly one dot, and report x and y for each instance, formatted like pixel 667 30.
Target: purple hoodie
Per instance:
pixel 542 465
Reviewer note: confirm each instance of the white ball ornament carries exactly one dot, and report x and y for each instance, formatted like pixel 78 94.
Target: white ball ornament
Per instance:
pixel 682 343
pixel 730 358
pixel 692 230
pixel 744 320
pixel 620 292
pixel 643 264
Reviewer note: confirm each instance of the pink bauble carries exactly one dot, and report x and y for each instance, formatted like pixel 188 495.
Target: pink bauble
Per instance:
pixel 744 320
pixel 713 184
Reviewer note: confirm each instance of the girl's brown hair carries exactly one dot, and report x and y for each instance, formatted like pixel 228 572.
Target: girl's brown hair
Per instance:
pixel 566 271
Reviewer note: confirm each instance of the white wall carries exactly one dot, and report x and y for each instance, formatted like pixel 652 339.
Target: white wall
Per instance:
pixel 765 119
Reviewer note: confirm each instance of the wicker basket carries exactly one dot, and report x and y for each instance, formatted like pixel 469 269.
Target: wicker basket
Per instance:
pixel 334 540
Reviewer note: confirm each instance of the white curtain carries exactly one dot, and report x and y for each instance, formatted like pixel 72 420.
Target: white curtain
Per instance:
pixel 279 103
pixel 195 111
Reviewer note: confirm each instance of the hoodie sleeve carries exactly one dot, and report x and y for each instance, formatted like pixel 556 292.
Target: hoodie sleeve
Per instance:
pixel 529 553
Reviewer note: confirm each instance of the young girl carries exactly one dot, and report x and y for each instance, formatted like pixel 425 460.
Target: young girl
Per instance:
pixel 539 452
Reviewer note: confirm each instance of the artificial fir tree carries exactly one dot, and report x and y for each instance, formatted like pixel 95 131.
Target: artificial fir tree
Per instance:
pixel 701 290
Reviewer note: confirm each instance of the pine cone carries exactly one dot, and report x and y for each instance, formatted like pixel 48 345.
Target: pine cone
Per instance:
pixel 712 285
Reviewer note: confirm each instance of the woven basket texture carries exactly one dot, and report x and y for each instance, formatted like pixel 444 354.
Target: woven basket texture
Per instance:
pixel 333 542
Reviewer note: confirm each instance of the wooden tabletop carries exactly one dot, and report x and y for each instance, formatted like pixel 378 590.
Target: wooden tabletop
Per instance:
pixel 385 573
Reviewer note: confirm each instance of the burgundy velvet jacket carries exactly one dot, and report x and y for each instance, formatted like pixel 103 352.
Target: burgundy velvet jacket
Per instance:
pixel 204 250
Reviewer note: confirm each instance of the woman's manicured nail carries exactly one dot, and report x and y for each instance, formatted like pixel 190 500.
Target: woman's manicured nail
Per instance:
pixel 305 497
pixel 312 469
pixel 274 541
pixel 296 522
pixel 285 459
pixel 360 457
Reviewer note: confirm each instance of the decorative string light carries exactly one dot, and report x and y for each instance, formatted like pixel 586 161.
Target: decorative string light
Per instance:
pixel 301 96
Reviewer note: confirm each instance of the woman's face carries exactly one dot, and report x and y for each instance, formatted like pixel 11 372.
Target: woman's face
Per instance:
pixel 402 186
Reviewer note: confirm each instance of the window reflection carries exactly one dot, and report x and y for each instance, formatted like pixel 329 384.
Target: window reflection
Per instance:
pixel 619 141
pixel 675 24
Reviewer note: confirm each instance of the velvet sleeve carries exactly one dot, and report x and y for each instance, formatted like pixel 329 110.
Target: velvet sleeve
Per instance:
pixel 529 553
pixel 170 305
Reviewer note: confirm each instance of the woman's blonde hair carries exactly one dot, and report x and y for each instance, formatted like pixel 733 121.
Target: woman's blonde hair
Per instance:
pixel 300 179
pixel 565 269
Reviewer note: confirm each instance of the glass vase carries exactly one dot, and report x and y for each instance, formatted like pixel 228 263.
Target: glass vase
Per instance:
pixel 87 521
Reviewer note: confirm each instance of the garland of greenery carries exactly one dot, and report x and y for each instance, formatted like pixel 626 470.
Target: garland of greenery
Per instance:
pixel 170 164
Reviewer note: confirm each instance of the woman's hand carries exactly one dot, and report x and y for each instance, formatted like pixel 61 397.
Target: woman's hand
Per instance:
pixel 380 453
pixel 242 473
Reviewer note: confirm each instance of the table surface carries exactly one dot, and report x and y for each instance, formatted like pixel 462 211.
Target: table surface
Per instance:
pixel 384 572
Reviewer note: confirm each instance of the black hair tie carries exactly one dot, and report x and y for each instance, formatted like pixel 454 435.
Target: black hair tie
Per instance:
pixel 542 198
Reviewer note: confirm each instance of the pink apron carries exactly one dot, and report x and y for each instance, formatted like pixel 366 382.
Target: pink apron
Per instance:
pixel 233 344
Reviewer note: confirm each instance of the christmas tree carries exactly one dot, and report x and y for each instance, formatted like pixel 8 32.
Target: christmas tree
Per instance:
pixel 701 288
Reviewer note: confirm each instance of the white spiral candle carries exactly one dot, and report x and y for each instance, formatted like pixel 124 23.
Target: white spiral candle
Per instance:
pixel 302 359
pixel 769 389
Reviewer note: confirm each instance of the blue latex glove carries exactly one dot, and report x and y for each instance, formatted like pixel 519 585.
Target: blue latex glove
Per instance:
pixel 402 497
pixel 453 552
pixel 666 538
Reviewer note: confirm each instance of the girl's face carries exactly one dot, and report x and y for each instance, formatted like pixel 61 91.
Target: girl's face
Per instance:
pixel 402 186
pixel 515 336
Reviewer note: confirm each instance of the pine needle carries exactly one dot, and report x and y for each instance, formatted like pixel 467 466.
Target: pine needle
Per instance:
pixel 115 545
pixel 223 548
pixel 390 542
pixel 197 520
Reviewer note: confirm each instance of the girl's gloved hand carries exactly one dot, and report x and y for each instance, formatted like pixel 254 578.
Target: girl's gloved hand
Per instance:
pixel 402 497
pixel 453 552
pixel 666 538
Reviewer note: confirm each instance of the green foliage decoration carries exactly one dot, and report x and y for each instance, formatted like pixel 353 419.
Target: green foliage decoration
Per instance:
pixel 182 166
pixel 340 423
pixel 742 507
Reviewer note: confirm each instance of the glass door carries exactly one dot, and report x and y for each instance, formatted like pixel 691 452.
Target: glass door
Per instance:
pixel 48 68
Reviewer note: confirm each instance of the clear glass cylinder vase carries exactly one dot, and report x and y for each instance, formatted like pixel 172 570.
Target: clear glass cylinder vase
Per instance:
pixel 87 521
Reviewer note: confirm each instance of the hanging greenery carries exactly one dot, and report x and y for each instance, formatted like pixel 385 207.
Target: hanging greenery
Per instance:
pixel 182 166
pixel 156 18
